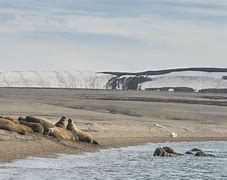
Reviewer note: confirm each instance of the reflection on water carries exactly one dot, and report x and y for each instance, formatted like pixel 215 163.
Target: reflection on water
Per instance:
pixel 124 163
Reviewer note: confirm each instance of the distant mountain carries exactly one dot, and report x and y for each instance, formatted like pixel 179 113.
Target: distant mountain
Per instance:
pixel 182 79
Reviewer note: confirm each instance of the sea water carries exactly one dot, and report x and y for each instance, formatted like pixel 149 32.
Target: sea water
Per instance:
pixel 134 162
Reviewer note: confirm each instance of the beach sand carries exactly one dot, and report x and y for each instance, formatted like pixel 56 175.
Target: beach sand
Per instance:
pixel 115 118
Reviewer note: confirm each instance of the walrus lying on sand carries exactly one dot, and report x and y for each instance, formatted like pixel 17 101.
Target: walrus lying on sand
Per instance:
pixel 60 133
pixel 39 120
pixel 8 125
pixel 36 127
pixel 27 128
pixel 13 119
pixel 79 134
pixel 61 123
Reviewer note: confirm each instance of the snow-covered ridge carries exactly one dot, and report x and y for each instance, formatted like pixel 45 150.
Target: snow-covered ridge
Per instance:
pixel 188 79
pixel 191 79
pixel 54 79
pixel 195 79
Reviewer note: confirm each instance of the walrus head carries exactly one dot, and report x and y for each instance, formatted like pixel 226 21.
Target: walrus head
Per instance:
pixel 49 131
pixel 21 119
pixel 69 125
pixel 63 118
pixel 169 150
pixel 70 120
pixel 158 152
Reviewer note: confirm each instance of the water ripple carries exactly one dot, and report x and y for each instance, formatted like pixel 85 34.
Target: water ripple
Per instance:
pixel 124 163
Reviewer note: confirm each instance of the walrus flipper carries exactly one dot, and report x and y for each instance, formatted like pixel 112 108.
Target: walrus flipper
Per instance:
pixel 95 142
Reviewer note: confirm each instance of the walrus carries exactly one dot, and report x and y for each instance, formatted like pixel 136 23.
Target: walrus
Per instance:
pixel 13 119
pixel 60 133
pixel 42 121
pixel 161 152
pixel 79 134
pixel 61 123
pixel 171 151
pixel 195 149
pixel 36 127
pixel 189 152
pixel 8 125
pixel 204 154
pixel 27 128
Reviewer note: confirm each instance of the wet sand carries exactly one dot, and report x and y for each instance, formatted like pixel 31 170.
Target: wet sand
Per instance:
pixel 116 118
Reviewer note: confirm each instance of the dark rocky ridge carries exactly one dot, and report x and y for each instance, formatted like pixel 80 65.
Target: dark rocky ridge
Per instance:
pixel 126 80
pixel 175 89
pixel 166 71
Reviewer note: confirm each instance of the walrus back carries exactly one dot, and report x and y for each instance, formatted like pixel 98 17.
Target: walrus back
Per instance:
pixel 85 137
pixel 43 122
pixel 36 127
pixel 61 133
pixel 12 119
pixel 27 128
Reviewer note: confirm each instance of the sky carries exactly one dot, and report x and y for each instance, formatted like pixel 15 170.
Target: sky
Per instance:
pixel 112 35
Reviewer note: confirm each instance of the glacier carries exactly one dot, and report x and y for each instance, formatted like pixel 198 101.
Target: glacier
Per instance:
pixel 54 79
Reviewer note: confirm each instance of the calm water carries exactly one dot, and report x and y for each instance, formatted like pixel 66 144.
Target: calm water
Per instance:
pixel 124 163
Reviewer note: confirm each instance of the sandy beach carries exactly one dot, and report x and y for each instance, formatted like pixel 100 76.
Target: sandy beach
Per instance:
pixel 115 118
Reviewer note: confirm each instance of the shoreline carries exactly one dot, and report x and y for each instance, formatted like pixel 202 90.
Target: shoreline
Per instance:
pixel 114 123
pixel 44 148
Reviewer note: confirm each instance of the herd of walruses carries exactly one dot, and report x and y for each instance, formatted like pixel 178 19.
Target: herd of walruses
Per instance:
pixel 68 130
pixel 61 130
pixel 169 152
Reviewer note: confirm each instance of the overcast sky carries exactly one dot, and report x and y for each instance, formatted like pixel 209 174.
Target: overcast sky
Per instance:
pixel 117 35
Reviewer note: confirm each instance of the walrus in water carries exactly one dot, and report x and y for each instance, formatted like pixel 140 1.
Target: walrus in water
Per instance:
pixel 79 134
pixel 193 151
pixel 204 154
pixel 171 151
pixel 42 121
pixel 189 152
pixel 8 125
pixel 36 127
pixel 161 152
pixel 60 133
pixel 166 151
pixel 61 123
